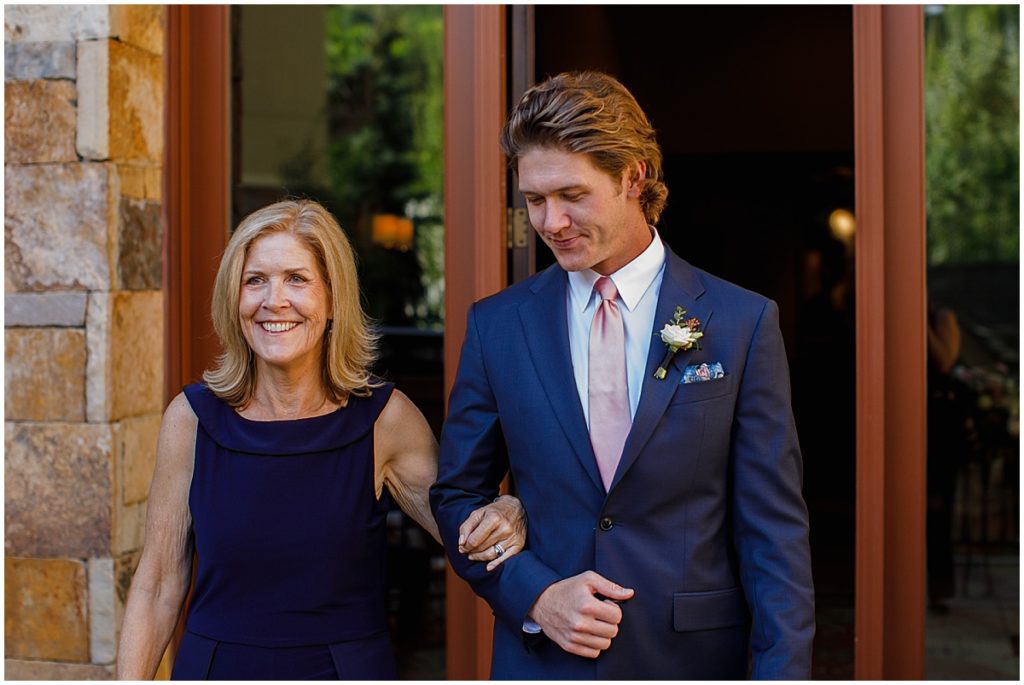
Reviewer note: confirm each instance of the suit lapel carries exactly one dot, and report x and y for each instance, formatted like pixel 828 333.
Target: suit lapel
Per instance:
pixel 681 287
pixel 546 329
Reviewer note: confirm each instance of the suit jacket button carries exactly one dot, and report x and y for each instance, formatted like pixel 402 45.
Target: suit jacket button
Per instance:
pixel 606 524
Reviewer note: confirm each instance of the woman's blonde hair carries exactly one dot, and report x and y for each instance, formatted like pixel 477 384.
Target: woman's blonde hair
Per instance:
pixel 591 113
pixel 349 345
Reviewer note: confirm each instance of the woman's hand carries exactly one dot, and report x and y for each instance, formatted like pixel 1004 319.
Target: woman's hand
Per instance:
pixel 495 532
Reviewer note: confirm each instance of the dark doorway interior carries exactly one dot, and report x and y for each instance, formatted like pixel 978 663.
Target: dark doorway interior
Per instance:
pixel 754 111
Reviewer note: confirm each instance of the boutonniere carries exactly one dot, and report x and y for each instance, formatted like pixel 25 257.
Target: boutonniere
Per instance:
pixel 678 334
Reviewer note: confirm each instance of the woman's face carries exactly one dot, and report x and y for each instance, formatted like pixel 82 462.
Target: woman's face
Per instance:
pixel 283 303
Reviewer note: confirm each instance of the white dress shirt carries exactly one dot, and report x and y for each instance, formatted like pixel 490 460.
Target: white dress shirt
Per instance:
pixel 639 284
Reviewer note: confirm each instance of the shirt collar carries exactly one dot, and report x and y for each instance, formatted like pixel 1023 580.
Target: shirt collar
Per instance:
pixel 632 280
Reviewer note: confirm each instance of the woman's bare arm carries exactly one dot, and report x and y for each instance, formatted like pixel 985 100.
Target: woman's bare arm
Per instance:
pixel 406 460
pixel 164 572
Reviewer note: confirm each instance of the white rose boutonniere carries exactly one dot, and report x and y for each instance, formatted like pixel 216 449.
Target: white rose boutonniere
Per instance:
pixel 678 334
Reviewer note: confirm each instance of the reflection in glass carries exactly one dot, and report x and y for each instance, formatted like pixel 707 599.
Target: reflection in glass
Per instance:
pixel 344 104
pixel 972 139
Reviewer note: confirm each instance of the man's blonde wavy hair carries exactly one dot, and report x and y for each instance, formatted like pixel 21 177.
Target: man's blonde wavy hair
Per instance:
pixel 349 345
pixel 591 113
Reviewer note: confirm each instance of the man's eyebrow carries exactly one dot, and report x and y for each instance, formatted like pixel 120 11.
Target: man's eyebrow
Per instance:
pixel 574 186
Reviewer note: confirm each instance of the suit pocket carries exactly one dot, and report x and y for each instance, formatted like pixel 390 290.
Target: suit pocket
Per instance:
pixel 709 610
pixel 705 390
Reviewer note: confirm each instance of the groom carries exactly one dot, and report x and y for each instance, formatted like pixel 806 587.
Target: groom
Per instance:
pixel 643 409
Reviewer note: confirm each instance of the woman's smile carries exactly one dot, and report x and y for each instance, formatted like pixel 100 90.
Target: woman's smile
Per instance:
pixel 278 326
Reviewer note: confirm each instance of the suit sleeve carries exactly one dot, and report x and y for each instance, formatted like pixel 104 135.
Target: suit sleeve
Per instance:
pixel 473 461
pixel 770 516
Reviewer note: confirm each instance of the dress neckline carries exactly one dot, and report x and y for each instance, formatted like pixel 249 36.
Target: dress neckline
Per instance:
pixel 331 413
pixel 282 437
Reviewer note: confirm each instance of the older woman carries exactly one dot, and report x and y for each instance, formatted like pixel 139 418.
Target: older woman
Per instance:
pixel 277 472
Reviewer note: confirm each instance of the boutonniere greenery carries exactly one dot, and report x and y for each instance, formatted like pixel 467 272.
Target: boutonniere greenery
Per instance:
pixel 678 334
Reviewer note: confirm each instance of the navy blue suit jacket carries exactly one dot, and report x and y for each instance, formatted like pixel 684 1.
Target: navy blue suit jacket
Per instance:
pixel 704 519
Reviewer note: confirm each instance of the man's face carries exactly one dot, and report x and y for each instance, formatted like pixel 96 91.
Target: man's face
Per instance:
pixel 587 218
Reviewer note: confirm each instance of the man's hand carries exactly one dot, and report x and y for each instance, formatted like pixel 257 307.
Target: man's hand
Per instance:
pixel 575 619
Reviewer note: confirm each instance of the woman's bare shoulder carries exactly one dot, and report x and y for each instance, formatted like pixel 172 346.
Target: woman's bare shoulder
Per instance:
pixel 178 431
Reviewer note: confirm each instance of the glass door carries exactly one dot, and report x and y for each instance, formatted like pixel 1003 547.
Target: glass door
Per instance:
pixel 972 113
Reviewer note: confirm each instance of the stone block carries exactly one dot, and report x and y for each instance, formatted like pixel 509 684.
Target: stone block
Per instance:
pixel 136 353
pixel 124 338
pixel 140 245
pixel 20 669
pixel 130 528
pixel 132 180
pixel 56 227
pixel 45 609
pixel 44 309
pixel 93 137
pixel 102 612
pixel 27 61
pixel 45 374
pixel 136 102
pixel 139 25
pixel 97 370
pixel 58 495
pixel 49 23
pixel 154 183
pixel 124 571
pixel 140 182
pixel 138 438
pixel 39 122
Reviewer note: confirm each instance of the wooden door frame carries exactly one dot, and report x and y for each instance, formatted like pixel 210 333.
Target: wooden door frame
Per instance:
pixel 475 248
pixel 891 315
pixel 196 191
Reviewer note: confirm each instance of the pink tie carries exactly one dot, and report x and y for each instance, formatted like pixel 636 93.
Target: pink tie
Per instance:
pixel 609 400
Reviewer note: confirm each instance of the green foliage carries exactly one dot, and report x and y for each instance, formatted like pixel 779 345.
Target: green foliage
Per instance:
pixel 385 120
pixel 972 114
pixel 386 126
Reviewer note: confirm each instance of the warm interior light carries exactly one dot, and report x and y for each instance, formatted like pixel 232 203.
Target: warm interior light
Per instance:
pixel 393 232
pixel 384 229
pixel 403 233
pixel 843 224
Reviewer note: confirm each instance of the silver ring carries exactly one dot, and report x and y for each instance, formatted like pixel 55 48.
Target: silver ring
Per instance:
pixel 498 550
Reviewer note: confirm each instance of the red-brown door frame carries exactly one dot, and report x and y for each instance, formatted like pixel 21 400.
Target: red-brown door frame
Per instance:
pixel 891 343
pixel 196 184
pixel 474 256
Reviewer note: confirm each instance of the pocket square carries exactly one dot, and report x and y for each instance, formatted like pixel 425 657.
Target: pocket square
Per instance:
pixel 698 373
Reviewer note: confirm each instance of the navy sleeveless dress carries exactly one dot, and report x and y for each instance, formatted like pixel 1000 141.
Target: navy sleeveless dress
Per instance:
pixel 290 539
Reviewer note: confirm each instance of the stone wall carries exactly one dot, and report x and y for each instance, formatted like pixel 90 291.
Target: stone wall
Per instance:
pixel 83 128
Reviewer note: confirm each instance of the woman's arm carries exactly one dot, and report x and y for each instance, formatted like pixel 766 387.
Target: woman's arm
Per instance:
pixel 162 577
pixel 406 462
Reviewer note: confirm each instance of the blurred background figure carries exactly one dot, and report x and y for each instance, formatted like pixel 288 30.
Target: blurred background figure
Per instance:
pixel 950 433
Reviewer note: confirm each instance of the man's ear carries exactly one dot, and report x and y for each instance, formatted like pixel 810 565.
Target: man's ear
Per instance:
pixel 634 176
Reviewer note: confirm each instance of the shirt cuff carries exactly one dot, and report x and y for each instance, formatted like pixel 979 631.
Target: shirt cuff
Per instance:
pixel 531 627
